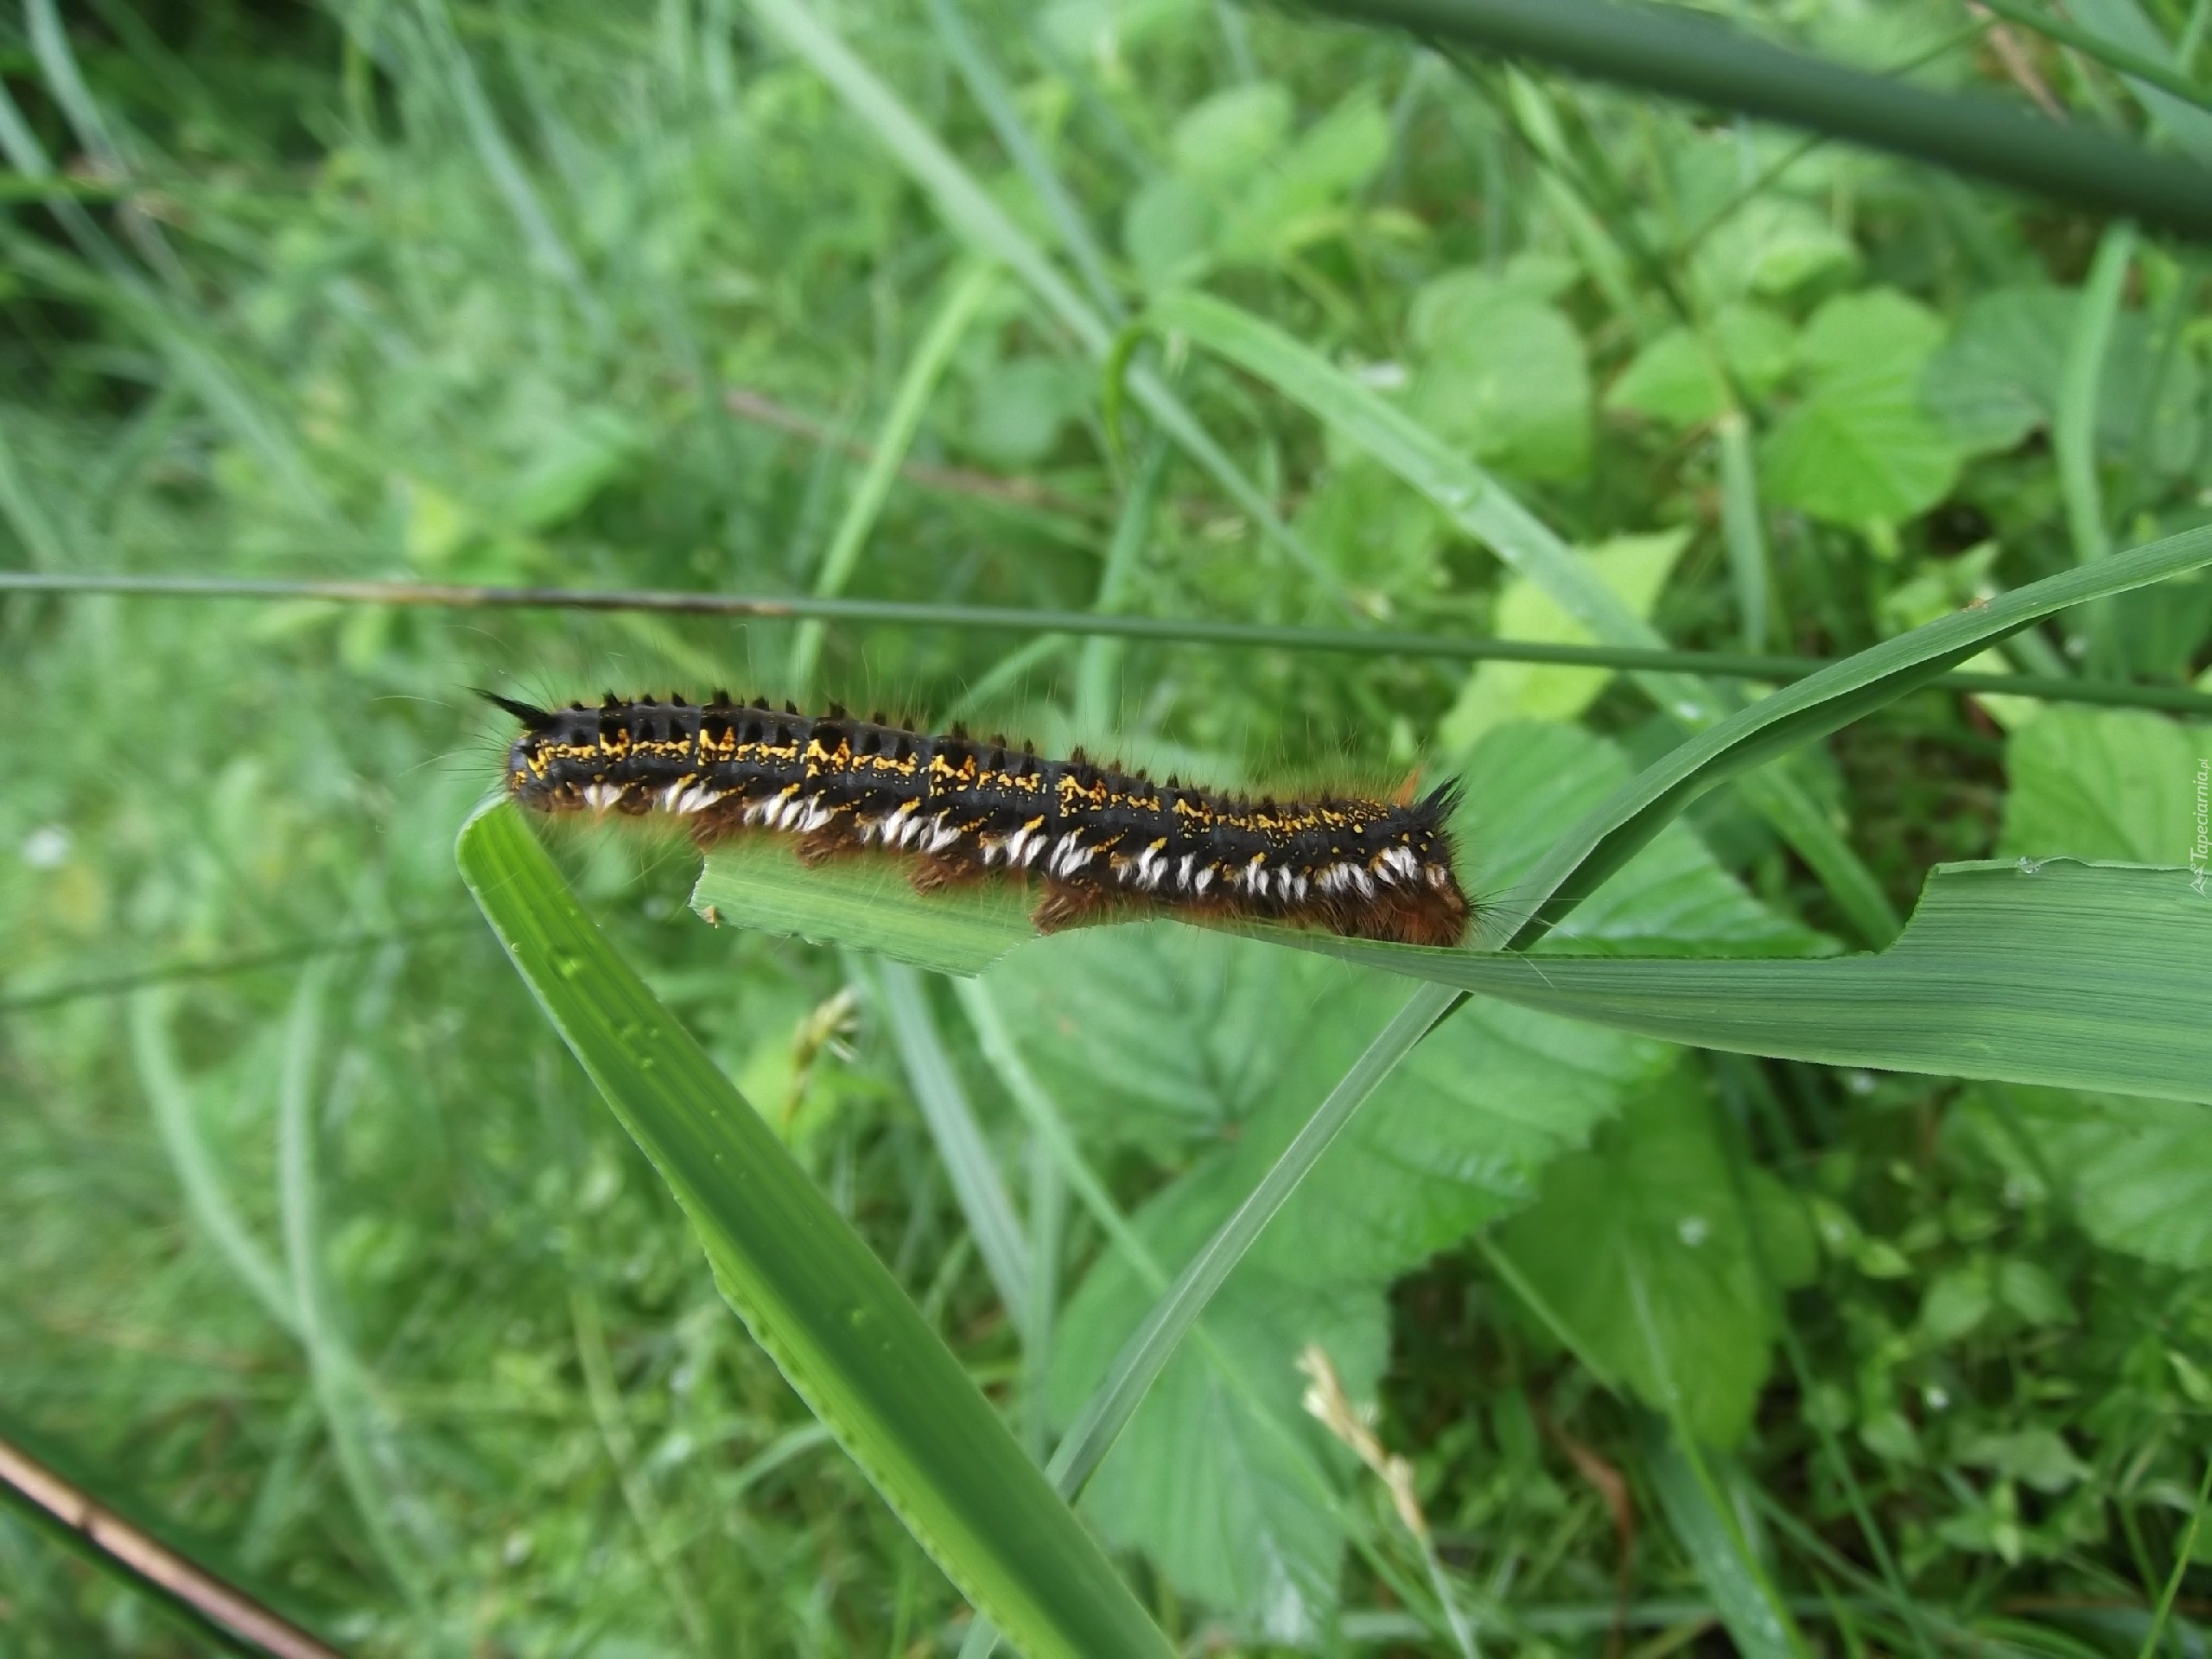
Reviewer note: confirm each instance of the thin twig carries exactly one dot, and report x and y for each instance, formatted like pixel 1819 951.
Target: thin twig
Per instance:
pixel 2017 65
pixel 139 1555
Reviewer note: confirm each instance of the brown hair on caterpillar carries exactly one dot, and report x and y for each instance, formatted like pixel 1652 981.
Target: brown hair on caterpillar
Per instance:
pixel 1098 839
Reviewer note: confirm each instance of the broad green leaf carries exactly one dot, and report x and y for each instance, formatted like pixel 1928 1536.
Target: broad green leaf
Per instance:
pixel 1677 379
pixel 1641 1251
pixel 1376 534
pixel 834 1321
pixel 1300 194
pixel 1997 378
pixel 2137 1174
pixel 2106 784
pixel 1770 246
pixel 1861 449
pixel 1456 1134
pixel 2065 972
pixel 1634 567
pixel 1219 1489
pixel 1208 1011
pixel 1528 781
pixel 1504 376
pixel 1222 140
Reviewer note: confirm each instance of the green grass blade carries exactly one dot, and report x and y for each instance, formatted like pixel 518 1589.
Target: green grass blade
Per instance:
pixel 1740 527
pixel 1692 1487
pixel 2075 975
pixel 1485 509
pixel 341 1388
pixel 1671 51
pixel 960 1147
pixel 965 298
pixel 2073 428
pixel 755 882
pixel 1149 1348
pixel 1811 708
pixel 207 1194
pixel 835 1321
pixel 967 208
pixel 989 88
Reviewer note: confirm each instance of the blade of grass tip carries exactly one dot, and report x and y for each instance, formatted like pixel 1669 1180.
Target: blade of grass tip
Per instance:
pixel 1682 55
pixel 971 214
pixel 1146 1352
pixel 339 1387
pixel 1484 509
pixel 206 1196
pixel 826 1310
pixel 2185 1553
pixel 621 1448
pixel 1740 527
pixel 943 1102
pixel 965 295
pixel 989 88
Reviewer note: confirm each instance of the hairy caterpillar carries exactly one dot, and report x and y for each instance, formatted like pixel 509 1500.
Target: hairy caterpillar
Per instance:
pixel 1098 839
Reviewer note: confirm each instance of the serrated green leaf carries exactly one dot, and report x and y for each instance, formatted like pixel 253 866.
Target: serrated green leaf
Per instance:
pixel 1997 378
pixel 1217 1486
pixel 1644 1253
pixel 2105 783
pixel 1634 567
pixel 1505 376
pixel 1677 379
pixel 1861 448
pixel 2138 1174
pixel 835 1323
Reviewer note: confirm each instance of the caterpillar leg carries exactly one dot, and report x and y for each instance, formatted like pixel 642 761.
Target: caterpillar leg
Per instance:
pixel 1064 906
pixel 930 873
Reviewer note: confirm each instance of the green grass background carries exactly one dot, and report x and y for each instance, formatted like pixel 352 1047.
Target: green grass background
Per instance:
pixel 336 1264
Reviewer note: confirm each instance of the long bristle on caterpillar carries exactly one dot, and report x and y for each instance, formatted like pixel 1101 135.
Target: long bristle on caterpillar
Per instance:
pixel 1098 839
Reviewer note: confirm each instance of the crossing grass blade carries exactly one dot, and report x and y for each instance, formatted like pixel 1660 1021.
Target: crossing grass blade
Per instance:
pixel 2063 973
pixel 835 1321
pixel 1484 509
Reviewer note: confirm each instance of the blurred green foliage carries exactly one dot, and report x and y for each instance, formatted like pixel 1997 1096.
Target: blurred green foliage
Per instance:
pixel 340 1265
